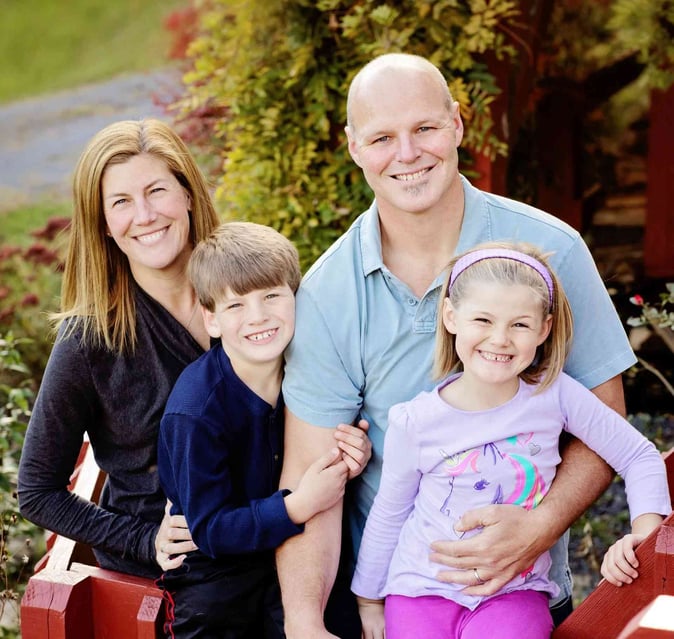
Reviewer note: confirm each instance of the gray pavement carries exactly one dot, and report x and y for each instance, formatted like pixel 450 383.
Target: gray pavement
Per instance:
pixel 41 138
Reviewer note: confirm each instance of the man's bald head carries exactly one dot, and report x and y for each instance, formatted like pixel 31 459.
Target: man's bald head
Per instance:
pixel 394 66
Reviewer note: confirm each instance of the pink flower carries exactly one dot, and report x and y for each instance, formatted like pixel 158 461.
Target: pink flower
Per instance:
pixel 637 300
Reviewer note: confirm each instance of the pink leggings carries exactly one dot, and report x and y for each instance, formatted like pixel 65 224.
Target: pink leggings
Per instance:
pixel 522 614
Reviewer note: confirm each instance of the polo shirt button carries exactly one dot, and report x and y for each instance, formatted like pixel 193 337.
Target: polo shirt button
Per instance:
pixel 411 301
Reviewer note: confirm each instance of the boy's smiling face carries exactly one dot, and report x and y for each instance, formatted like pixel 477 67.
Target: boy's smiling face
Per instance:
pixel 254 328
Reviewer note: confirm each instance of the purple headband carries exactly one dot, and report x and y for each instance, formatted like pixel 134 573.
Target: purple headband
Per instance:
pixel 484 254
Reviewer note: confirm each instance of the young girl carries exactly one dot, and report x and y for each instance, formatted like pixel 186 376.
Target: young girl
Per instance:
pixel 489 435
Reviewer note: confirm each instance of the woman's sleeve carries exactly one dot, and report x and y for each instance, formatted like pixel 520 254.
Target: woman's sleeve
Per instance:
pixel 65 408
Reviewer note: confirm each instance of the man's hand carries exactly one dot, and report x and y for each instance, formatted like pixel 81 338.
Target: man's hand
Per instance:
pixel 510 541
pixel 372 618
pixel 355 446
pixel 173 540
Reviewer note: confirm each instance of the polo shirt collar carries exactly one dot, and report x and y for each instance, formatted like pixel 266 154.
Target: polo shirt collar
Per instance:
pixel 370 241
pixel 476 224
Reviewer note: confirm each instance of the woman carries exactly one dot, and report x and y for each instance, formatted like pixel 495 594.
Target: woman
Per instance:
pixel 128 326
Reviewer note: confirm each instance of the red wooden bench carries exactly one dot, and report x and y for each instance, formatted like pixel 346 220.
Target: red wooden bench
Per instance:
pixel 70 598
pixel 609 612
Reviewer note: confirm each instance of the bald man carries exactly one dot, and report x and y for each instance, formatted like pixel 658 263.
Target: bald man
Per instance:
pixel 366 318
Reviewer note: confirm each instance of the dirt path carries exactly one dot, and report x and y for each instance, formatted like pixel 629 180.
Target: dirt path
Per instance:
pixel 41 138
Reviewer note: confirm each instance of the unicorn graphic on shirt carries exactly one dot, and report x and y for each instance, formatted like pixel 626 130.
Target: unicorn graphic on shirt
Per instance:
pixel 485 463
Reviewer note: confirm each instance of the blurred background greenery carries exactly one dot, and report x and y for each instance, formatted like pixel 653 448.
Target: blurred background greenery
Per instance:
pixel 48 45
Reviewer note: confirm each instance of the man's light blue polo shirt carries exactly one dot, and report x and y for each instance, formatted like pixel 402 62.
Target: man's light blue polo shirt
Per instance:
pixel 363 341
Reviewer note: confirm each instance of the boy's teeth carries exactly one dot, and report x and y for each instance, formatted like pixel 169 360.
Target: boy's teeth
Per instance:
pixel 259 336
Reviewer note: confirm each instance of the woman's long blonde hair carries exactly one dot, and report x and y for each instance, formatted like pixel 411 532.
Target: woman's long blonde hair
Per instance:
pixel 96 292
pixel 552 353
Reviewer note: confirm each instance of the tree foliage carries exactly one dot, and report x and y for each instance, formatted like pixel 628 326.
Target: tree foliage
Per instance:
pixel 647 27
pixel 266 90
pixel 275 74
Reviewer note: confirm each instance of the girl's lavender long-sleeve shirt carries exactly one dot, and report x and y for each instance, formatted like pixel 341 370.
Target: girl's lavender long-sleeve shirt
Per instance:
pixel 440 462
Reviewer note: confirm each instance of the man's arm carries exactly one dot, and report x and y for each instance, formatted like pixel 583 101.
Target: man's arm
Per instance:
pixel 307 563
pixel 611 393
pixel 512 537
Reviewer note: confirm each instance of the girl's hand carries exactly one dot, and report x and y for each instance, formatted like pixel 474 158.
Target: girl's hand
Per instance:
pixel 372 618
pixel 620 561
pixel 173 540
pixel 355 445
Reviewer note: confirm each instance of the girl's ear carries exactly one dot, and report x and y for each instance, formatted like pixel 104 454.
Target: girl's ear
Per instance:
pixel 546 327
pixel 448 316
pixel 211 323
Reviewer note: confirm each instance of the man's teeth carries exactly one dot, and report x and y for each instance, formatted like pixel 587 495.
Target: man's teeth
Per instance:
pixel 406 177
pixel 494 357
pixel 264 335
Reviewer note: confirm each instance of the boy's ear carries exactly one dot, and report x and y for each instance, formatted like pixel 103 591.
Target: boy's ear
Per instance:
pixel 448 316
pixel 210 322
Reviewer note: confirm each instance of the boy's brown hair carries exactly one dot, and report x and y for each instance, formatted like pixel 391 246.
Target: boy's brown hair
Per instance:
pixel 242 257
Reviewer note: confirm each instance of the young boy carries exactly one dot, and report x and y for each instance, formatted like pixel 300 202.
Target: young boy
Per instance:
pixel 221 442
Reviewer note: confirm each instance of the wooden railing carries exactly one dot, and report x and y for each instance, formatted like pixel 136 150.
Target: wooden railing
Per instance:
pixel 70 598
pixel 609 612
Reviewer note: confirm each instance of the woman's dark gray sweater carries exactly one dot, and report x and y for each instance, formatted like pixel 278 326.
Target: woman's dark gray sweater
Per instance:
pixel 119 402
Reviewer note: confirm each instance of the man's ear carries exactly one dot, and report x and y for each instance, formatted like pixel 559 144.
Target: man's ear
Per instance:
pixel 211 323
pixel 448 316
pixel 353 145
pixel 458 123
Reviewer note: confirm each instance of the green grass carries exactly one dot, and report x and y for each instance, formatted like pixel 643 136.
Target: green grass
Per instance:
pixel 16 225
pixel 48 45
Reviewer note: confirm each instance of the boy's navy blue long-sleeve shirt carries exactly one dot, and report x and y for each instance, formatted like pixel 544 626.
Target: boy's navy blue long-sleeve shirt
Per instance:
pixel 220 454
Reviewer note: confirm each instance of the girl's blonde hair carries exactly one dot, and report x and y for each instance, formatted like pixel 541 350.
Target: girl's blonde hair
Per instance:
pixel 96 292
pixel 243 257
pixel 551 355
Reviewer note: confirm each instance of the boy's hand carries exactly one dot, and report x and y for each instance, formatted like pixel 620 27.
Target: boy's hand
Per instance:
pixel 372 618
pixel 320 488
pixel 355 446
pixel 173 540
pixel 620 561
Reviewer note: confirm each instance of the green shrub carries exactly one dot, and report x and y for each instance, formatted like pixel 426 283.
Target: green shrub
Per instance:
pixel 270 82
pixel 17 536
pixel 31 279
